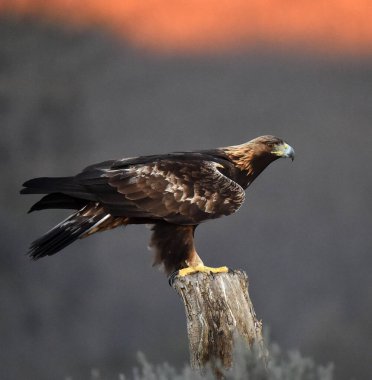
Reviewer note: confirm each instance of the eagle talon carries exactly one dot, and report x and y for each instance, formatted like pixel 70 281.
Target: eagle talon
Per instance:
pixel 201 268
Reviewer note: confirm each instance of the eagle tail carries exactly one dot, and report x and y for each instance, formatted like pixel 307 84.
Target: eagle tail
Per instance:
pixel 47 185
pixel 74 227
pixel 61 187
pixel 58 201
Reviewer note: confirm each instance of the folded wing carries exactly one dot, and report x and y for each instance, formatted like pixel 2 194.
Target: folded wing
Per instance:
pixel 182 192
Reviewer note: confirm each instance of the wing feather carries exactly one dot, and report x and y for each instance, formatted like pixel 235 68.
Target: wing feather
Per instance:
pixel 184 192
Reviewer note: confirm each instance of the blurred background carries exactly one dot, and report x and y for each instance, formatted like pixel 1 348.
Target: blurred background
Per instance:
pixel 85 81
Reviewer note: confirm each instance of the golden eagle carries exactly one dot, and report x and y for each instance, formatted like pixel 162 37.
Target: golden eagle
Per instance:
pixel 173 192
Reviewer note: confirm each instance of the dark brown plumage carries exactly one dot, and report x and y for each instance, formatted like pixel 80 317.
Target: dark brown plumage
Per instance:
pixel 174 192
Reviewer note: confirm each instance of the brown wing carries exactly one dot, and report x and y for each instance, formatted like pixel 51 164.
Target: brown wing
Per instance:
pixel 182 192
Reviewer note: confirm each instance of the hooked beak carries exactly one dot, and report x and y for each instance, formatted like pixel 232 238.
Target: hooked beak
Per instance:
pixel 284 150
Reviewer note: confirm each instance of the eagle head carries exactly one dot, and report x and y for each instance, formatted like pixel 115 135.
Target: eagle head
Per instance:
pixel 271 146
pixel 255 155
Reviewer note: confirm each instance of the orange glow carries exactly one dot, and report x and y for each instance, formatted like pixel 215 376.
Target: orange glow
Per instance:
pixel 196 26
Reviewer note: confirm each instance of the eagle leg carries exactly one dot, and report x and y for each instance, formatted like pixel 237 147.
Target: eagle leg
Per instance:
pixel 195 264
pixel 195 269
pixel 201 268
pixel 174 248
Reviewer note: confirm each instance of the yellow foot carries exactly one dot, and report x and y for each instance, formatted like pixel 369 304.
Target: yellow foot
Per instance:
pixel 201 268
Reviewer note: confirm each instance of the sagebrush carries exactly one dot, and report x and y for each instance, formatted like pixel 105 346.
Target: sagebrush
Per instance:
pixel 247 366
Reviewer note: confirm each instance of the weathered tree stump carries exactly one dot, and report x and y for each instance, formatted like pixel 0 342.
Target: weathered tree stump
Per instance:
pixel 218 310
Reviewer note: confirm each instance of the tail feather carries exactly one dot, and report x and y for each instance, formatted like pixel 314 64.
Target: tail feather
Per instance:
pixel 58 201
pixel 66 232
pixel 45 185
pixel 49 185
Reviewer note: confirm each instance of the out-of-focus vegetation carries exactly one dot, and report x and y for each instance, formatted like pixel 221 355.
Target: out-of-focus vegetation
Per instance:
pixel 247 366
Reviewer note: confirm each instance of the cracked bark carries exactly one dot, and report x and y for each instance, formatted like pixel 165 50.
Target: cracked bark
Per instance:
pixel 218 310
